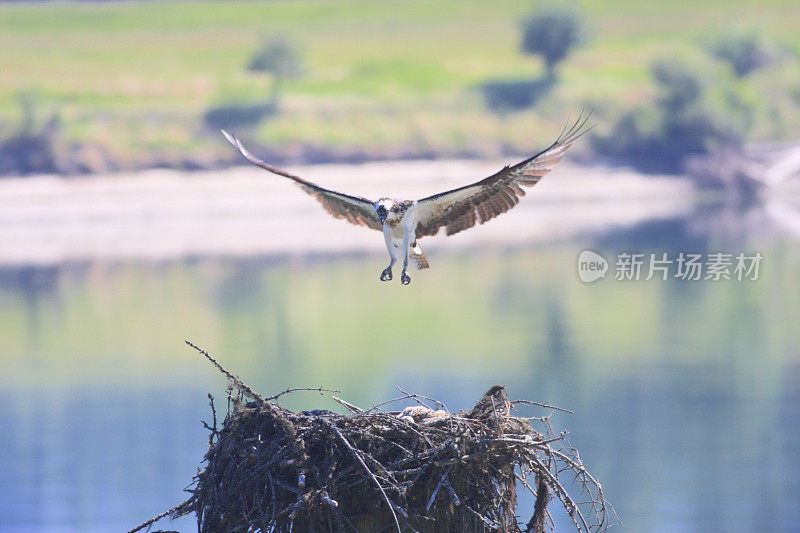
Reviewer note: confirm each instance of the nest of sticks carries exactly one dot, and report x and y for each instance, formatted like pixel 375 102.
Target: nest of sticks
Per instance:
pixel 422 468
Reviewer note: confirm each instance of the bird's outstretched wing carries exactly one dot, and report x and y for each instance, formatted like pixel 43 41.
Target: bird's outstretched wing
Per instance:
pixel 461 208
pixel 354 209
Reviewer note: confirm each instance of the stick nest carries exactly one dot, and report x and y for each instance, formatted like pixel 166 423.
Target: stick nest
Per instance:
pixel 420 469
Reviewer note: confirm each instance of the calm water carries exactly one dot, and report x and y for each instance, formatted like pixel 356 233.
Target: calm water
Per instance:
pixel 686 394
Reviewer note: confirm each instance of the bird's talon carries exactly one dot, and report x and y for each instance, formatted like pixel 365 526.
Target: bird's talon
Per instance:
pixel 405 279
pixel 386 275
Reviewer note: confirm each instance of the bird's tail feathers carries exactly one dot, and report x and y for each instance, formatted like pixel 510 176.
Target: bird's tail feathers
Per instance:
pixel 418 257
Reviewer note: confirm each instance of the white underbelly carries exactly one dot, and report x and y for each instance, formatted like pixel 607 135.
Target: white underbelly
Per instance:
pixel 401 228
pixel 397 231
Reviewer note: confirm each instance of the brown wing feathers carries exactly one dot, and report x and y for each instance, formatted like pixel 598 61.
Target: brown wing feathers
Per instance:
pixel 354 209
pixel 462 208
pixel 342 209
pixel 455 210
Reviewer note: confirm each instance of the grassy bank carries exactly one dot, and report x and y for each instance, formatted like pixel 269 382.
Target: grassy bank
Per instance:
pixel 133 81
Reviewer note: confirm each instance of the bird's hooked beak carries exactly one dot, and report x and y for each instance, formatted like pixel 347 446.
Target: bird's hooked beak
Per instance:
pixel 382 213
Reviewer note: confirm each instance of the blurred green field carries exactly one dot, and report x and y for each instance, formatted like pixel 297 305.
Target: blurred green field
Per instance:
pixel 384 77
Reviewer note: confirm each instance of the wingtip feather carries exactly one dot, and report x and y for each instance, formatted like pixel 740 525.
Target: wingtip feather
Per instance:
pixel 244 151
pixel 231 139
pixel 577 129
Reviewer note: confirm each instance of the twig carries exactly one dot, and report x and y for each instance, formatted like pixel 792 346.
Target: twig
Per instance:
pixel 491 523
pixel 330 501
pixel 233 378
pixel 569 504
pixel 288 390
pixel 546 405
pixel 525 441
pixel 406 396
pixel 453 495
pixel 415 396
pixel 377 406
pixel 159 517
pixel 355 454
pixel 438 486
pixel 212 429
pixel 347 405
pixel 586 479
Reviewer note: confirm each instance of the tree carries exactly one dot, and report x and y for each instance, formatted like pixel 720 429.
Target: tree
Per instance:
pixel 278 58
pixel 551 33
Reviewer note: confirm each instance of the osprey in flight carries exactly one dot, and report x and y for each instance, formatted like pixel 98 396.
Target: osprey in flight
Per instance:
pixel 403 222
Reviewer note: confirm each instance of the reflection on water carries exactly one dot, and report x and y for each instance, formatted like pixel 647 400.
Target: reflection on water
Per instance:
pixel 686 394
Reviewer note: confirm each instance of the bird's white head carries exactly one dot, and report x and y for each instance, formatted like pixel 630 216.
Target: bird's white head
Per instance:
pixel 383 207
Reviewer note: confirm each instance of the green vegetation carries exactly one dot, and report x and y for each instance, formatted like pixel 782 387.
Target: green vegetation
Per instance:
pixel 133 84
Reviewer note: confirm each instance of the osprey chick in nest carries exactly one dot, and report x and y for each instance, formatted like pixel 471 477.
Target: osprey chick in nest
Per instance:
pixel 403 222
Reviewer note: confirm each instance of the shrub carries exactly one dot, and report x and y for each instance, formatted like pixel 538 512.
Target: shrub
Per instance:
pixel 237 115
pixel 678 86
pixel 31 149
pixel 28 153
pixel 513 95
pixel 692 113
pixel 745 52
